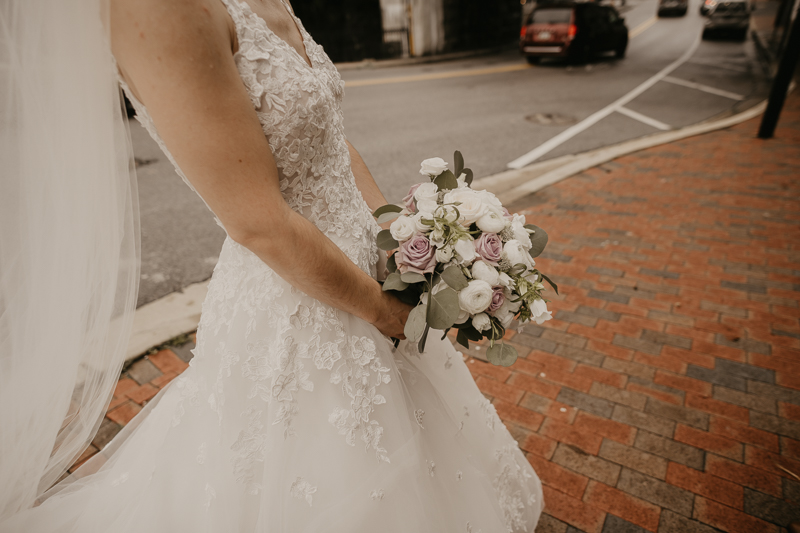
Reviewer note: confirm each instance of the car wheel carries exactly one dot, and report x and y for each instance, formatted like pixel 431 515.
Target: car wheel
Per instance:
pixel 743 35
pixel 659 13
pixel 620 51
pixel 705 34
pixel 683 12
pixel 533 60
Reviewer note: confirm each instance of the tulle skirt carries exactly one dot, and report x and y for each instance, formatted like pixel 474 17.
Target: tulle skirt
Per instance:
pixel 296 417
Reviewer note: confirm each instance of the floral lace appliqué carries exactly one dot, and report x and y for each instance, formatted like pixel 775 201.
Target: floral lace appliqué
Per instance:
pixel 302 489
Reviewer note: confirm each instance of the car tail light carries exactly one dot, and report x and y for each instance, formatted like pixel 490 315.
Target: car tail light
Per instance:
pixel 573 29
pixel 523 32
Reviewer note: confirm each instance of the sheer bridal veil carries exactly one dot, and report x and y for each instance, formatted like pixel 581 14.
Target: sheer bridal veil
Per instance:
pixel 69 258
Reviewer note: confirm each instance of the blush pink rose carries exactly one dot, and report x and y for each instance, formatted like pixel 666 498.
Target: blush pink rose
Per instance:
pixel 417 254
pixel 408 201
pixel 490 247
pixel 507 215
pixel 498 298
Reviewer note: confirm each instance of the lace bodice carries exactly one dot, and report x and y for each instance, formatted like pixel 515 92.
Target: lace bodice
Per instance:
pixel 299 108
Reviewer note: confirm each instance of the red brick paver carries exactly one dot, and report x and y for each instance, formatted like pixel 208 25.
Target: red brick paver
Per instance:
pixel 665 394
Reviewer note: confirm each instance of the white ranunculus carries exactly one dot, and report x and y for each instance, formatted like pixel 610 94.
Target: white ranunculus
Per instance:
pixel 507 311
pixel 444 254
pixel 516 253
pixel 485 272
pixel 433 166
pixel 471 206
pixel 492 222
pixel 490 199
pixel 427 207
pixel 540 312
pixel 403 228
pixel 462 317
pixel 481 322
pixel 475 297
pixel 465 250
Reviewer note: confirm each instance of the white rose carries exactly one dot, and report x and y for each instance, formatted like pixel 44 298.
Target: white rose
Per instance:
pixel 471 206
pixel 476 297
pixel 490 199
pixel 516 253
pixel 487 273
pixel 426 208
pixel 426 191
pixel 420 227
pixel 481 322
pixel 444 254
pixel 403 228
pixel 492 222
pixel 540 312
pixel 433 166
pixel 465 250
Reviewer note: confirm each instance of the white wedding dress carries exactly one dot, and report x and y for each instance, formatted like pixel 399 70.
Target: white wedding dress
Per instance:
pixel 294 416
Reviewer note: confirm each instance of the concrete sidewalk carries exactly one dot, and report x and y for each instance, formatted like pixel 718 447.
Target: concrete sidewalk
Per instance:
pixel 665 394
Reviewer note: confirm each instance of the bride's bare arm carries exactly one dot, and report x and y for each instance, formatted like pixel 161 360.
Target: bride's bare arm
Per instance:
pixel 177 56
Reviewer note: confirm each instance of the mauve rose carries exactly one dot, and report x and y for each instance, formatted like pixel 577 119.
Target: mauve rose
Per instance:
pixel 498 298
pixel 408 201
pixel 490 247
pixel 416 255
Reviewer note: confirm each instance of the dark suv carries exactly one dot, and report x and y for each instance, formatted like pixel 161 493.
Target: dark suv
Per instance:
pixel 575 30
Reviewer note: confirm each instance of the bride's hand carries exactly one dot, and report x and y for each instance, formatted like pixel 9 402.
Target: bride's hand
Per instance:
pixel 392 319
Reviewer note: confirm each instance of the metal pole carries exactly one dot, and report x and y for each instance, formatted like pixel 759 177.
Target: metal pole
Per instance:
pixel 780 85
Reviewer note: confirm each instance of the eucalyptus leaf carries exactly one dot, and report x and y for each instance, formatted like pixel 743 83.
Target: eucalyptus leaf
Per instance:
pixel 385 240
pixel 469 331
pixel 394 283
pixel 391 264
pixel 412 277
pixel 538 240
pixel 386 217
pixel 462 339
pixel 501 355
pixel 443 309
pixel 446 181
pixel 415 325
pixel 548 280
pixel 453 276
pixel 388 208
pixel 468 177
pixel 458 161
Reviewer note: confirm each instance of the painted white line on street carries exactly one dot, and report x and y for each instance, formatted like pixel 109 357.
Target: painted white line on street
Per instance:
pixel 704 88
pixel 593 119
pixel 638 30
pixel 643 118
pixel 709 63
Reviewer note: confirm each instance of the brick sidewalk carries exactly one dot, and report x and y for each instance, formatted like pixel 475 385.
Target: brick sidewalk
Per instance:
pixel 665 394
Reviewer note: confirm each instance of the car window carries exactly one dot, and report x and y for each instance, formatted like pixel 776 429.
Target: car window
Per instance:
pixel 551 16
pixel 732 7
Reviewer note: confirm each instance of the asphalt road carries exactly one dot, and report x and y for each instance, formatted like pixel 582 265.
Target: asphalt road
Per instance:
pixel 495 109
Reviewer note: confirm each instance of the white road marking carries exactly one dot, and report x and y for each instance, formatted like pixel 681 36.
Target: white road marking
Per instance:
pixel 704 88
pixel 643 118
pixel 593 119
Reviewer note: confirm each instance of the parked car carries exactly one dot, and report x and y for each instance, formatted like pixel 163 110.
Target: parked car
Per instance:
pixel 672 7
pixel 573 30
pixel 707 6
pixel 729 17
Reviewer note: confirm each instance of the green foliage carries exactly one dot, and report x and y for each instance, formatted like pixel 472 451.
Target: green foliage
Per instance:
pixel 468 176
pixel 501 355
pixel 538 240
pixel 443 308
pixel 446 181
pixel 394 282
pixel 455 278
pixel 458 163
pixel 415 325
pixel 548 280
pixel 385 241
pixel 388 208
pixel 412 277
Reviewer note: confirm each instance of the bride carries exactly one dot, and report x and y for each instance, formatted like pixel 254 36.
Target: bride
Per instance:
pixel 296 414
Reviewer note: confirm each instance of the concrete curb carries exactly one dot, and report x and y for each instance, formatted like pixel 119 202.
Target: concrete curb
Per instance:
pixel 538 176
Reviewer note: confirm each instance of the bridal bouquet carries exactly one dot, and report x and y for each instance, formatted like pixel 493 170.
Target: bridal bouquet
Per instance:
pixel 462 260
